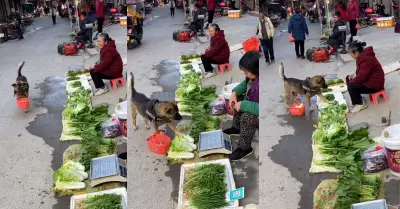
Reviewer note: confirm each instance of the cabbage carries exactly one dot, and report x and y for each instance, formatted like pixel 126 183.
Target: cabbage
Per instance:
pixel 70 176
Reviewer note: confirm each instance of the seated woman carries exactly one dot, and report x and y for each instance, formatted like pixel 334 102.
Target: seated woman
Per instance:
pixel 244 101
pixel 109 66
pixel 83 36
pixel 217 53
pixel 369 77
pixel 195 25
pixel 336 39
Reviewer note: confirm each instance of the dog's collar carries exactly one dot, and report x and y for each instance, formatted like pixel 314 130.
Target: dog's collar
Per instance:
pixel 151 111
pixel 306 85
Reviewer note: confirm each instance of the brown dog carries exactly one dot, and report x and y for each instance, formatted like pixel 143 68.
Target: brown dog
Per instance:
pixel 21 85
pixel 307 88
pixel 154 111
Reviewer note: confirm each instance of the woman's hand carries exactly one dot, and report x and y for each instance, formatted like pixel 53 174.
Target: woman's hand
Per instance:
pixel 352 76
pixel 237 106
pixel 232 100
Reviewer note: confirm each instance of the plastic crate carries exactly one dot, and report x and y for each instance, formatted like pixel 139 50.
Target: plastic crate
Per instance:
pixel 233 14
pixel 385 22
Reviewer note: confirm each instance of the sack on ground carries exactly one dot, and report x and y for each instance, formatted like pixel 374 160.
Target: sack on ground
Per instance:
pixel 111 128
pixel 310 54
pixel 184 36
pixel 70 49
pixel 218 107
pixel 321 55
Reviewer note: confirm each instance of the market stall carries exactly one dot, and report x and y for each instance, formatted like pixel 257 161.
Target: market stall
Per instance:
pixel 206 177
pixel 360 161
pixel 91 170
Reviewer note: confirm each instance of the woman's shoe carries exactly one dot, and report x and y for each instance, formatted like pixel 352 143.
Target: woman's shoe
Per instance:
pixel 302 57
pixel 358 108
pixel 239 154
pixel 100 91
pixel 209 75
pixel 232 131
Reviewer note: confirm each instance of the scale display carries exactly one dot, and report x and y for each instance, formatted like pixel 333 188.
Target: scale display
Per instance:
pixel 214 142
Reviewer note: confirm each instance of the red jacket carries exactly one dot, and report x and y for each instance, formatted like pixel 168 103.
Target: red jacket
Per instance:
pixel 211 4
pixel 352 10
pixel 110 61
pixel 369 71
pixel 219 49
pixel 100 9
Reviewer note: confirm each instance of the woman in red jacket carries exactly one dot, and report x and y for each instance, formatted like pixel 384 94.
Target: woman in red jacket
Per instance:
pixel 109 66
pixel 369 77
pixel 218 53
pixel 211 5
pixel 352 15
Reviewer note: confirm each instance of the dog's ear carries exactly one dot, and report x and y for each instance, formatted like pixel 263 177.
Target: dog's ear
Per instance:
pixel 13 85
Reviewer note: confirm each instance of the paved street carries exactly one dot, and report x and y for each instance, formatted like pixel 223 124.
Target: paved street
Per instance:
pixel 155 65
pixel 32 150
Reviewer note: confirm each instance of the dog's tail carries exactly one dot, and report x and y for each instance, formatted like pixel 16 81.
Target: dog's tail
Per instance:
pixel 20 66
pixel 282 72
pixel 132 83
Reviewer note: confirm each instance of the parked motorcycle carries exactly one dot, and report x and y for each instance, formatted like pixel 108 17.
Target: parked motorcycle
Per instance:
pixel 135 34
pixel 148 8
pixel 275 20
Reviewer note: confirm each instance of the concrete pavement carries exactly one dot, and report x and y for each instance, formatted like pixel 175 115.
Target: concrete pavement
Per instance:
pixel 30 146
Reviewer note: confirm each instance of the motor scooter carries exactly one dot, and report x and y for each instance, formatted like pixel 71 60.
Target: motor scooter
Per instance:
pixel 135 34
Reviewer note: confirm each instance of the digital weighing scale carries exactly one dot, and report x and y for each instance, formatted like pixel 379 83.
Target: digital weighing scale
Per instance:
pixel 214 142
pixel 109 168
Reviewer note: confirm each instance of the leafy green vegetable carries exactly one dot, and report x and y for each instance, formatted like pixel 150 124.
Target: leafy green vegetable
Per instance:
pixel 330 97
pixel 76 84
pixel 69 177
pixel 93 146
pixel 205 187
pixel 72 78
pixel 104 201
pixel 326 90
pixel 339 81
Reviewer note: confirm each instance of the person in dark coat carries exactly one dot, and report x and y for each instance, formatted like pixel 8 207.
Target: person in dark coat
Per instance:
pixel 110 65
pixel 83 36
pixel 245 103
pixel 369 77
pixel 298 28
pixel 352 14
pixel 336 39
pixel 100 14
pixel 217 53
pixel 195 25
pixel 211 5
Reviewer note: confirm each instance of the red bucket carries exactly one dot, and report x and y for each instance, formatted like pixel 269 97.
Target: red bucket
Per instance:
pixel 297 108
pixel 159 143
pixel 23 103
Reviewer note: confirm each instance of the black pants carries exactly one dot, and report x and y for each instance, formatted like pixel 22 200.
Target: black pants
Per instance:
pixel 172 12
pixel 299 48
pixel 207 63
pixel 353 29
pixel 210 16
pixel 19 31
pixel 335 43
pixel 355 91
pixel 268 47
pixel 98 79
pixel 53 17
pixel 100 21
pixel 247 123
pixel 194 27
pixel 83 39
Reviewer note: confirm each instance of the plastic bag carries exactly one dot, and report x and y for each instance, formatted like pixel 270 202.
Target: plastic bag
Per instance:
pixel 291 39
pixel 111 128
pixel 218 107
pixel 251 44
pixel 375 160
pixel 321 55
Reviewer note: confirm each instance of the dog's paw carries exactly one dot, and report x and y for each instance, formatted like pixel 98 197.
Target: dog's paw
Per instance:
pixel 135 128
pixel 311 109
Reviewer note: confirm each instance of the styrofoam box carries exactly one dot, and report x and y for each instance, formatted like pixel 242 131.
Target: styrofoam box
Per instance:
pixel 85 84
pixel 338 97
pixel 121 191
pixel 228 180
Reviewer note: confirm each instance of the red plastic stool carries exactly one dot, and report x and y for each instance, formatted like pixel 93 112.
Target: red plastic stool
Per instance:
pixel 221 67
pixel 114 85
pixel 374 97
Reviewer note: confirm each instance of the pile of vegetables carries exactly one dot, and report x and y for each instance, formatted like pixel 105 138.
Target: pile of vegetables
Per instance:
pixel 106 201
pixel 354 187
pixel 182 147
pixel 204 186
pixel 189 57
pixel 343 150
pixel 70 177
pixel 335 82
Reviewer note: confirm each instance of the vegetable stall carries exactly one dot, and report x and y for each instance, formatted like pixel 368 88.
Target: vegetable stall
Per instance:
pixel 358 158
pixel 96 131
pixel 204 181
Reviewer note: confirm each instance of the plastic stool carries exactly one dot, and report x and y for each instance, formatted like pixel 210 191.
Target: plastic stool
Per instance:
pixel 221 67
pixel 114 83
pixel 374 97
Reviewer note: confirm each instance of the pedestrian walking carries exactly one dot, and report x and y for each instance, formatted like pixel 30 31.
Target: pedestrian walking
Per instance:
pixel 53 12
pixel 265 31
pixel 211 5
pixel 298 29
pixel 172 8
pixel 100 14
pixel 352 14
